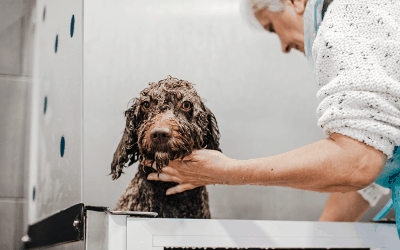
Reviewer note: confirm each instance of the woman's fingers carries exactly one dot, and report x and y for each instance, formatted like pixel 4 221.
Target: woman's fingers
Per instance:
pixel 163 177
pixel 180 188
pixel 149 163
pixel 153 164
pixel 189 157
pixel 197 155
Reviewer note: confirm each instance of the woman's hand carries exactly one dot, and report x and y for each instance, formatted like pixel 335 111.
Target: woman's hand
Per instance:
pixel 202 167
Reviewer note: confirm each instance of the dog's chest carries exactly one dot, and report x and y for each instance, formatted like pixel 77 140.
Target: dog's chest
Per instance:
pixel 150 196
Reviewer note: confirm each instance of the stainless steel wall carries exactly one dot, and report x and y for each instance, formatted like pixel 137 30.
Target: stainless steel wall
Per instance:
pixel 56 158
pixel 264 100
pixel 16 36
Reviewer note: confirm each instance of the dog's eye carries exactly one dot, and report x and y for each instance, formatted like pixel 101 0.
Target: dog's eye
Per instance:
pixel 186 105
pixel 146 105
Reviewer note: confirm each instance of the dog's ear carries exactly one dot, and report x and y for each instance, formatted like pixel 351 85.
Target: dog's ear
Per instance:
pixel 128 149
pixel 212 137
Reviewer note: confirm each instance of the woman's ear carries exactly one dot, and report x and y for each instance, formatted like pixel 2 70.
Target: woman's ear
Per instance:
pixel 299 6
pixel 128 149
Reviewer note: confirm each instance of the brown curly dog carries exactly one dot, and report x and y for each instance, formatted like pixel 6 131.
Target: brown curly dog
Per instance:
pixel 166 122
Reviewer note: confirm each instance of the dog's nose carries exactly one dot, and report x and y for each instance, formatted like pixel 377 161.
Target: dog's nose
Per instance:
pixel 160 134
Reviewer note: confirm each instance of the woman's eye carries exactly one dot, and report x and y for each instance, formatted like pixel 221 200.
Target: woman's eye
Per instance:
pixel 186 105
pixel 146 105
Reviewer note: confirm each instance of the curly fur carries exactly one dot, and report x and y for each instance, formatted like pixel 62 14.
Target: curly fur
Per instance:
pixel 164 106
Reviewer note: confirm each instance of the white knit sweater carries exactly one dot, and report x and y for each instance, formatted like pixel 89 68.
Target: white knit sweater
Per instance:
pixel 357 59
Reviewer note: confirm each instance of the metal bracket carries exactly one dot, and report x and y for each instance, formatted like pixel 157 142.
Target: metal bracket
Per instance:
pixel 64 226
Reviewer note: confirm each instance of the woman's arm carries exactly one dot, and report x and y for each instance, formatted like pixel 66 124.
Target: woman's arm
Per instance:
pixel 348 207
pixel 335 164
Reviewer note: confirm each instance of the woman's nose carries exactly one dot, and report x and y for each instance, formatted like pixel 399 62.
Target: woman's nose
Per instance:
pixel 285 44
pixel 286 48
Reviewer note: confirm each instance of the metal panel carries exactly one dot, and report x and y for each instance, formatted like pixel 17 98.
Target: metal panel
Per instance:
pixel 139 237
pixel 13 93
pixel 96 230
pixel 10 36
pixel 62 227
pixel 261 109
pixel 105 231
pixel 117 232
pixel 262 234
pixel 56 141
pixel 80 245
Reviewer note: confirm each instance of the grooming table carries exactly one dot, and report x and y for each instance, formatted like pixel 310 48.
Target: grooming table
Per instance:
pixel 97 228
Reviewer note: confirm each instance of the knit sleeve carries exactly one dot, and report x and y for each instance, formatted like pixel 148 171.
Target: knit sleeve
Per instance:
pixel 357 58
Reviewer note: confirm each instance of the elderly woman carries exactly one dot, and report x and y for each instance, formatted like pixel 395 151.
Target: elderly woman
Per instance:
pixel 356 56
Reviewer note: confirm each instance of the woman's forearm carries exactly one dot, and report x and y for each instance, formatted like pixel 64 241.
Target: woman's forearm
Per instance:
pixel 336 164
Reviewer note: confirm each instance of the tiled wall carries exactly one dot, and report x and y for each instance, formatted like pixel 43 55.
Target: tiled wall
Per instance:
pixel 16 47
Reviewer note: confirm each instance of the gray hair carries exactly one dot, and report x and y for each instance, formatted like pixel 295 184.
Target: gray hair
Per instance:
pixel 272 5
pixel 250 7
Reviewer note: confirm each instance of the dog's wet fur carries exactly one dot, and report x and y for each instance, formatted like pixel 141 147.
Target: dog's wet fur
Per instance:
pixel 168 121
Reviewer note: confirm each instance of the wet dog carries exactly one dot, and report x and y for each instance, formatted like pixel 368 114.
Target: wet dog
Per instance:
pixel 168 121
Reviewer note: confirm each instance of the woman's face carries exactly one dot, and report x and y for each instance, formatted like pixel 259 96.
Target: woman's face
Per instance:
pixel 288 24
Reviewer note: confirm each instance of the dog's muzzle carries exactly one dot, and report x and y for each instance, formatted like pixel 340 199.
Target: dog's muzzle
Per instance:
pixel 160 135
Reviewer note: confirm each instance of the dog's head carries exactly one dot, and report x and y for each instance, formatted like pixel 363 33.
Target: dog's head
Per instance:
pixel 167 121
